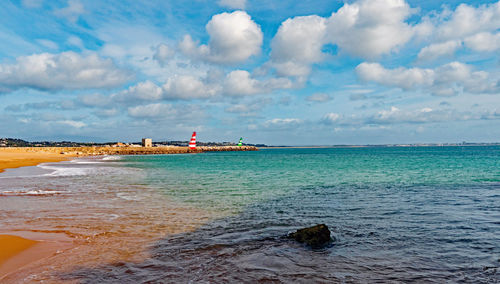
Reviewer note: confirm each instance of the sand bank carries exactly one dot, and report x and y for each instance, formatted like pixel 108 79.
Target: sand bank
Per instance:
pixel 20 249
pixel 20 157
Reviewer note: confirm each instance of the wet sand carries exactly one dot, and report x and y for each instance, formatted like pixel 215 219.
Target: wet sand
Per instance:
pixel 12 245
pixel 21 249
pixel 31 248
pixel 18 249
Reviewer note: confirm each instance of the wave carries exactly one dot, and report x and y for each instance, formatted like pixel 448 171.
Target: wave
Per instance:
pixel 111 158
pixel 65 171
pixel 37 192
pixel 78 161
pixel 128 196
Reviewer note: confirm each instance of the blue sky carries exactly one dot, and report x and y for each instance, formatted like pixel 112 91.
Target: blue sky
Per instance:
pixel 275 72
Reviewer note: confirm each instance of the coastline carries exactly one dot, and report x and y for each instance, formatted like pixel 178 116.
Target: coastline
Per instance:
pixel 11 158
pixel 15 157
pixel 24 249
pixel 19 249
pixel 126 226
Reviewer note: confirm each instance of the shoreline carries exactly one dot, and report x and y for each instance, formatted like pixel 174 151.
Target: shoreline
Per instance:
pixel 16 157
pixel 20 249
pixel 11 158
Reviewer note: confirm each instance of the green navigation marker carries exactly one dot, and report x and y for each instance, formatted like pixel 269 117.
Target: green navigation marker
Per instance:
pixel 241 142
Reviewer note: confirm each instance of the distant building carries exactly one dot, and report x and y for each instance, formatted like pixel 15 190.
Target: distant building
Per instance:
pixel 147 142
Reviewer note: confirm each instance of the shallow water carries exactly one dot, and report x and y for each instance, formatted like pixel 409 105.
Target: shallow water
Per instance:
pixel 398 214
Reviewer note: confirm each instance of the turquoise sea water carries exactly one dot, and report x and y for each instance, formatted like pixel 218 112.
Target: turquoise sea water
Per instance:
pixel 233 180
pixel 398 215
pixel 422 214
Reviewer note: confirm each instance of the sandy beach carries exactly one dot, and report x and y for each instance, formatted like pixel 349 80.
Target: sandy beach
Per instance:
pixel 19 157
pixel 21 249
pixel 15 157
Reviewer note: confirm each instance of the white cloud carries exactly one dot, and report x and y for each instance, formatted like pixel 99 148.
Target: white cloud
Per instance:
pixel 239 82
pixel 67 70
pixel 106 112
pixel 233 4
pixel 171 112
pixel 319 98
pixel 331 117
pixel 72 12
pixel 483 42
pixel 94 100
pixel 425 115
pixel 146 90
pixel 176 88
pixel 152 111
pixel 76 41
pixel 297 44
pixel 51 122
pixel 64 105
pixel 48 43
pixel 400 77
pixel 32 3
pixel 72 123
pixel 366 28
pixel 437 50
pixel 188 87
pixel 395 115
pixel 469 26
pixel 162 53
pixel 136 46
pixel 184 87
pixel 467 20
pixel 249 108
pixel 357 96
pixel 446 80
pixel 234 37
pixel 370 28
pixel 282 123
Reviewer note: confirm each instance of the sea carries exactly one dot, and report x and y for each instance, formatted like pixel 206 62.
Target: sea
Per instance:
pixel 396 214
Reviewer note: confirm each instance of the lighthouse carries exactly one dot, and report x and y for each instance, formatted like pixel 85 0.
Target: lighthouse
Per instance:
pixel 192 143
pixel 241 142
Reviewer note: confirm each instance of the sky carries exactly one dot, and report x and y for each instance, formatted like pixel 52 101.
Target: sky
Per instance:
pixel 276 72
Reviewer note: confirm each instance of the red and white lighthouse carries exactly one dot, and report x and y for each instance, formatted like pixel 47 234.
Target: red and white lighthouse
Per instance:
pixel 192 143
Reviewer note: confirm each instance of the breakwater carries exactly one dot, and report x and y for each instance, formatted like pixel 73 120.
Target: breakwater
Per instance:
pixel 98 151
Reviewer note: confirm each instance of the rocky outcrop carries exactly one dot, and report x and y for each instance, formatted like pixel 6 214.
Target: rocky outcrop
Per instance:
pixel 316 237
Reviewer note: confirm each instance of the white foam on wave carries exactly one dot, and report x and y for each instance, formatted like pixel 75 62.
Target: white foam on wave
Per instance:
pixel 78 161
pixel 37 192
pixel 59 171
pixel 128 196
pixel 111 158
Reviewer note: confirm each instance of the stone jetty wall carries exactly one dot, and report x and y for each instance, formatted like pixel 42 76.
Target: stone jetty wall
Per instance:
pixel 98 151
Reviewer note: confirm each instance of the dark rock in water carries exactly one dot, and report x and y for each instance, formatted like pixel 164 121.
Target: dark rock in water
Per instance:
pixel 316 237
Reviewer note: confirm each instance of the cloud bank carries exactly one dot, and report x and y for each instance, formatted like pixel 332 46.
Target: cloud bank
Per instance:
pixel 63 71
